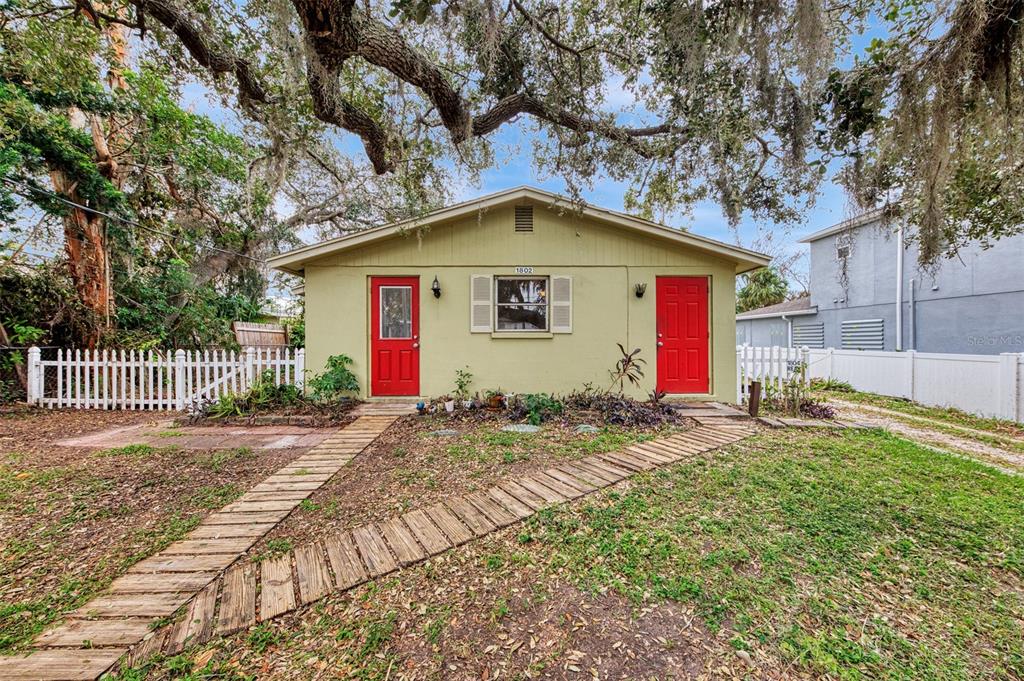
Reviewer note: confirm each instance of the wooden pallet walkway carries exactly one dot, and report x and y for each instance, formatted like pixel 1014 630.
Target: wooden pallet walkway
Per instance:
pixel 348 559
pixel 186 577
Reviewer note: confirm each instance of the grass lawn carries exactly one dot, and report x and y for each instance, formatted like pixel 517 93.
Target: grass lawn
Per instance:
pixel 851 555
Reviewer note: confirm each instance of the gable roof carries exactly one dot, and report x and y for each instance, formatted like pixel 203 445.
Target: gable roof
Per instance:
pixel 295 261
pixel 794 307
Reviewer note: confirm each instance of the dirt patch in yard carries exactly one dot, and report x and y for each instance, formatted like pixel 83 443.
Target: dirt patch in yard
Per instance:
pixel 409 466
pixel 71 518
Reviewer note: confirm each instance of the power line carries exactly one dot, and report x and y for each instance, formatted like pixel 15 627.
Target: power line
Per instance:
pixel 124 220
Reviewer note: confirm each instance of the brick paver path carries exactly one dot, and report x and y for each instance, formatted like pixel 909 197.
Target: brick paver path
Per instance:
pixel 94 637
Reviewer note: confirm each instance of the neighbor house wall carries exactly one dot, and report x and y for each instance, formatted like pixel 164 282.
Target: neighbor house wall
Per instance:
pixel 972 303
pixel 762 332
pixel 604 262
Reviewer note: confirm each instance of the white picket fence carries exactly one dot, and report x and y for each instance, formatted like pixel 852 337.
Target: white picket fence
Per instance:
pixel 158 380
pixel 772 366
pixel 986 385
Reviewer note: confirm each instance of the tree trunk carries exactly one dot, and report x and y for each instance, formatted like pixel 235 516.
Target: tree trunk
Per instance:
pixel 85 232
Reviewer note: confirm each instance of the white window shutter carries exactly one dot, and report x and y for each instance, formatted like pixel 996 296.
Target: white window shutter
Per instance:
pixel 561 304
pixel 480 303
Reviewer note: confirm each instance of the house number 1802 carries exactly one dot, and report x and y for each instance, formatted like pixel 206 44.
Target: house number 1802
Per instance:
pixel 524 270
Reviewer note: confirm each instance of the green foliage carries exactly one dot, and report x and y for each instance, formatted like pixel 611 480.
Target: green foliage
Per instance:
pixel 463 379
pixel 296 331
pixel 761 288
pixel 336 381
pixel 540 407
pixel 629 367
pixel 264 395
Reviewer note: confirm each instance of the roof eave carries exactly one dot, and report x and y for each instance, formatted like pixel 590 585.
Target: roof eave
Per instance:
pixel 768 315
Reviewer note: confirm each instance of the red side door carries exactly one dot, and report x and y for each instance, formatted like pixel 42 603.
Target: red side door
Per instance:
pixel 682 320
pixel 394 336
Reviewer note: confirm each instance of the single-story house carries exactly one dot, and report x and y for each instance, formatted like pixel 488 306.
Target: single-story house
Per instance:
pixel 527 291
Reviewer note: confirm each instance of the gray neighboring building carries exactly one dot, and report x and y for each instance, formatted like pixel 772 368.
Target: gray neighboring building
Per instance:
pixel 860 279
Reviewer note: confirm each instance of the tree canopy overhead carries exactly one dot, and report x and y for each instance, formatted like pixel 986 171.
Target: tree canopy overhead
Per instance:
pixel 748 103
pixel 740 101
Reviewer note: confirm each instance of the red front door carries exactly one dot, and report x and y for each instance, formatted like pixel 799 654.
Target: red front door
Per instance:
pixel 682 320
pixel 394 336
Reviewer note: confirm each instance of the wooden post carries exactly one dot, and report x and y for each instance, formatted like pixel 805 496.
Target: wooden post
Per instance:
pixel 250 367
pixel 300 368
pixel 755 398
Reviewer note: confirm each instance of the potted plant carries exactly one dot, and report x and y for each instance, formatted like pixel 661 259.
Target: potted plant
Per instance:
pixel 495 399
pixel 449 403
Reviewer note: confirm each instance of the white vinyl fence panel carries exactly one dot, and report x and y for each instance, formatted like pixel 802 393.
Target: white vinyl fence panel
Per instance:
pixel 986 385
pixel 155 380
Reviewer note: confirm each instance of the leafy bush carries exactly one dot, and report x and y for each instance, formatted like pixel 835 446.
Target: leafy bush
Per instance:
pixel 817 410
pixel 621 410
pixel 262 396
pixel 336 381
pixel 536 408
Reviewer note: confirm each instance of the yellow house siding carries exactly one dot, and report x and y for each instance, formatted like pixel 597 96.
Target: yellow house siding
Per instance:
pixel 604 262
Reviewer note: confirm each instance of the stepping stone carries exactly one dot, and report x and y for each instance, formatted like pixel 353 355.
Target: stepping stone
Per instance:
pixel 431 538
pixel 348 569
pixel 311 568
pixel 237 599
pixel 521 428
pixel 187 582
pixel 449 524
pixel 444 432
pixel 376 556
pixel 277 593
pixel 586 428
pixel 59 665
pixel 106 632
pixel 402 541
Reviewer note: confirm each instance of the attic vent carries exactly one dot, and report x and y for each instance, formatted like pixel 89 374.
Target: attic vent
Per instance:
pixel 524 218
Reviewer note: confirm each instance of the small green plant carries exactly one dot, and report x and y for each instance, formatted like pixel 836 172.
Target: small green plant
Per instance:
pixel 832 384
pixel 629 367
pixel 263 395
pixel 540 407
pixel 463 379
pixel 130 450
pixel 336 381
pixel 263 636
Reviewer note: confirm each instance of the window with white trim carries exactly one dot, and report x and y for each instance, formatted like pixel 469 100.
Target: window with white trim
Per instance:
pixel 521 303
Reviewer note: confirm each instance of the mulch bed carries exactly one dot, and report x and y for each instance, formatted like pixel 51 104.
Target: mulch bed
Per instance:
pixel 71 519
pixel 407 467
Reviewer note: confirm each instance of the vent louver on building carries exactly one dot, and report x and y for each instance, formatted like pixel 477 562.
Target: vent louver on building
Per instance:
pixel 863 334
pixel 811 335
pixel 524 218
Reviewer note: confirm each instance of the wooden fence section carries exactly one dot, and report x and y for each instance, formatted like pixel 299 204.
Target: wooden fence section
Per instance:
pixel 156 380
pixel 986 385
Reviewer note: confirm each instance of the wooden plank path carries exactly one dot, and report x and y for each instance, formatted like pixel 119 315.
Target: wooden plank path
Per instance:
pixel 348 559
pixel 186 578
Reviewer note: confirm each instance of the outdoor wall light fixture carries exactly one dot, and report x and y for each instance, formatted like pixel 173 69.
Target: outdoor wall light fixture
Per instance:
pixel 640 289
pixel 436 288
